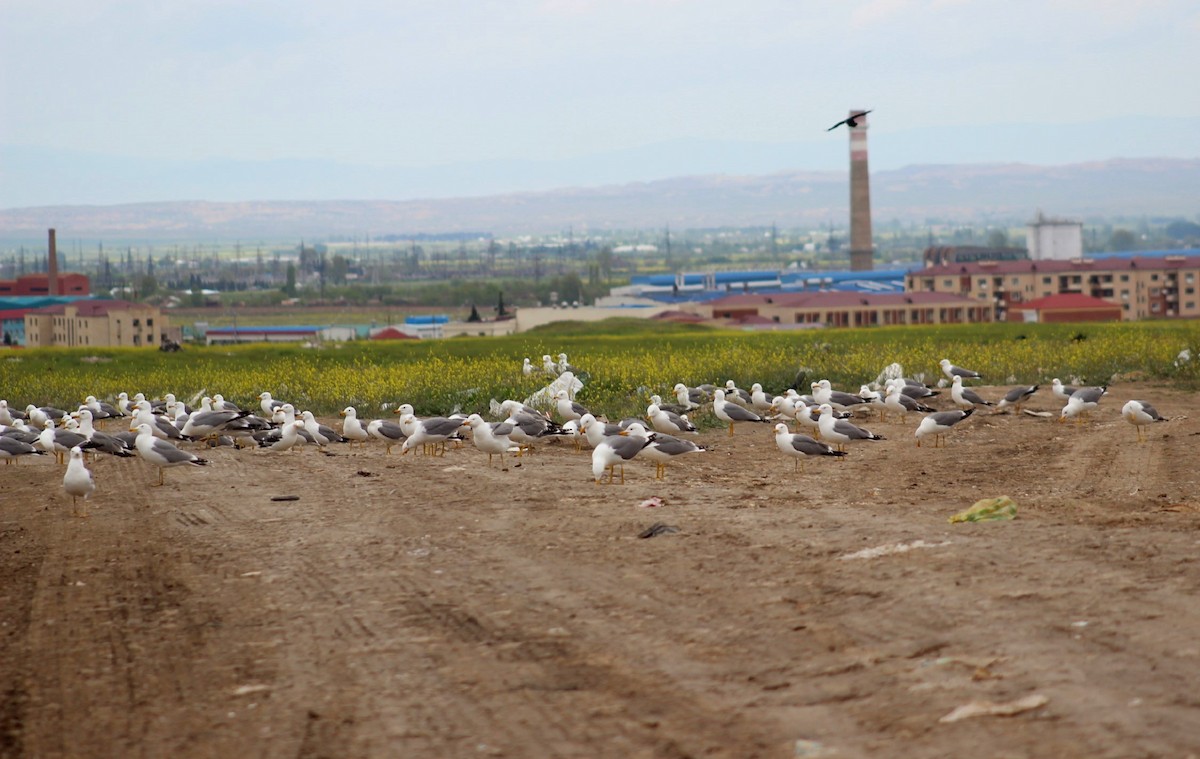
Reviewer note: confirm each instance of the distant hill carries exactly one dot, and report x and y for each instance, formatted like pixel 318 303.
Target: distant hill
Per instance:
pixel 917 194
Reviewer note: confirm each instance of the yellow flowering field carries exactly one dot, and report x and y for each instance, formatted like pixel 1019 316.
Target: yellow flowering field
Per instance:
pixel 620 372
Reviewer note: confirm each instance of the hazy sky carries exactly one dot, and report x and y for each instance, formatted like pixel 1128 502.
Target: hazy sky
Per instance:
pixel 390 82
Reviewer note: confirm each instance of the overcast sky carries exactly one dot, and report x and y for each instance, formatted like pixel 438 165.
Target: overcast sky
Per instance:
pixel 392 82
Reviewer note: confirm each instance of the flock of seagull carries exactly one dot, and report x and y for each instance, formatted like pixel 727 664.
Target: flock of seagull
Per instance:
pixel 156 429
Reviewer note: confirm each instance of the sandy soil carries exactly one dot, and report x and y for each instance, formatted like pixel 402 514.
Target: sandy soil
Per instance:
pixel 435 607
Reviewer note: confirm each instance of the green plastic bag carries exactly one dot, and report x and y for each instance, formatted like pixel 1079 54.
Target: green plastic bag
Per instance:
pixel 988 510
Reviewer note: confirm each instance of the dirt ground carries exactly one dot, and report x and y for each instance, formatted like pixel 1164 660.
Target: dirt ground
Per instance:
pixel 435 607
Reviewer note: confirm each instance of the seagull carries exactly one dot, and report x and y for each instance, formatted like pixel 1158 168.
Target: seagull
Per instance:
pixel 1061 391
pixel 840 431
pixel 389 432
pixel 916 390
pixel 731 412
pixel 163 454
pixel 207 422
pixel 662 448
pixel 850 121
pixel 567 408
pixel 100 441
pixel 688 397
pixel 268 404
pixel 563 365
pixel 895 400
pixel 873 398
pixel 548 365
pixel 1081 402
pixel 435 431
pixel 616 450
pixel 78 481
pixel 7 415
pixel 352 429
pixel 823 392
pixel 965 396
pixel 667 422
pixel 491 438
pixel 736 394
pixel 289 437
pixel 11 448
pixel 1017 396
pixel 951 371
pixel 101 410
pixel 939 424
pixel 1141 414
pixel 323 434
pixel 673 408
pixel 60 441
pixel 595 431
pixel 798 446
pixel 527 368
pixel 760 402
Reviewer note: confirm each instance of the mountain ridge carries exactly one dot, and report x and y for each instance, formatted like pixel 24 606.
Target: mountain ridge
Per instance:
pixel 948 193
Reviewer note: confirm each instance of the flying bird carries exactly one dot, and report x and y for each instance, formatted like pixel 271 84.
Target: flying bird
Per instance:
pixel 850 121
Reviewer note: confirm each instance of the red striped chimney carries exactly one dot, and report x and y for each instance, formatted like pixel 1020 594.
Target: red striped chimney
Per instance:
pixel 862 249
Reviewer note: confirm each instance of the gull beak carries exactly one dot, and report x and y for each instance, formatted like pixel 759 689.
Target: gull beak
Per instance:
pixel 624 432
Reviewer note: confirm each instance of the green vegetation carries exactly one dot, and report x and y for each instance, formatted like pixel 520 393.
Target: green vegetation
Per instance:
pixel 623 362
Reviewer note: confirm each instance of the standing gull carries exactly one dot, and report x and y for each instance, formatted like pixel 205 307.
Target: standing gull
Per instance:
pixel 352 429
pixel 663 449
pixel 491 438
pixel 965 396
pixel 1141 414
pixel 839 431
pixel 78 481
pixel 939 424
pixel 731 412
pixel 389 432
pixel 798 446
pixel 161 453
pixel 614 451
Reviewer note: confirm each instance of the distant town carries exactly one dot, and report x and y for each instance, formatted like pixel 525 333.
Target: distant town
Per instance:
pixel 1053 269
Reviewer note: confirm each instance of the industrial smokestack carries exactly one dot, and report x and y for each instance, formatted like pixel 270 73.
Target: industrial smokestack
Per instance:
pixel 862 249
pixel 52 267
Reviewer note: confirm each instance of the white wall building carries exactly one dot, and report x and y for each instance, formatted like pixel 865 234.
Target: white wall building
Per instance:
pixel 1054 239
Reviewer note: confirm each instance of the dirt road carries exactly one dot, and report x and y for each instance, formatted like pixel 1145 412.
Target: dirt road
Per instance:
pixel 435 607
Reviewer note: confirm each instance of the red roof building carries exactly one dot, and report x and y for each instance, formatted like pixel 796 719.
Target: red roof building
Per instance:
pixel 39 284
pixel 1067 307
pixel 391 333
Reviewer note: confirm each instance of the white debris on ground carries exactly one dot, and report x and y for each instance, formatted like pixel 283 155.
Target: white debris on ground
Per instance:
pixel 891 548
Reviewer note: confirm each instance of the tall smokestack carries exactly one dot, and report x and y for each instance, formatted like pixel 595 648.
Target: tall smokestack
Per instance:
pixel 52 267
pixel 862 250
